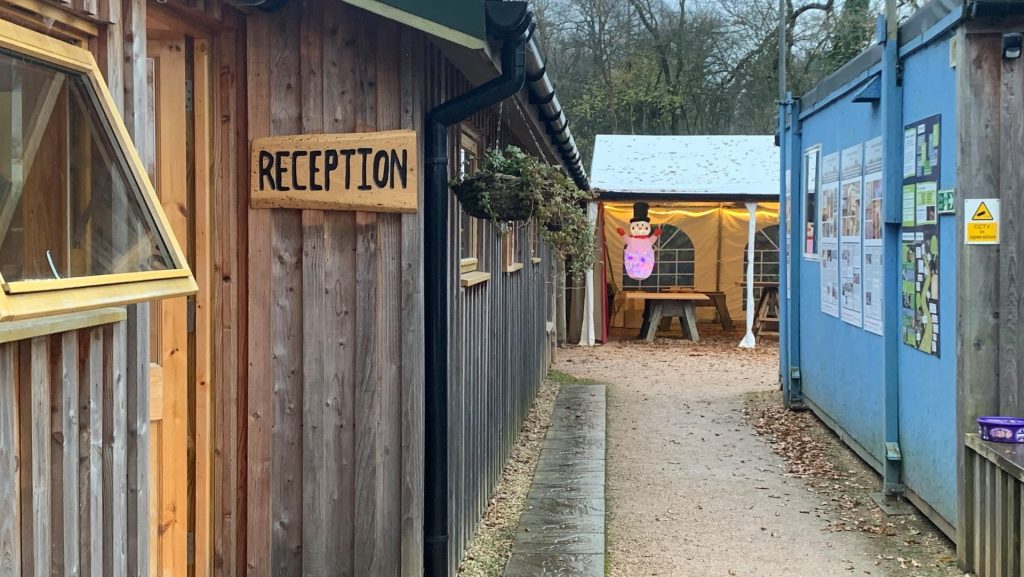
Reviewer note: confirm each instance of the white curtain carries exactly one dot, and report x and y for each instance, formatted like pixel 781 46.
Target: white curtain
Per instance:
pixel 748 341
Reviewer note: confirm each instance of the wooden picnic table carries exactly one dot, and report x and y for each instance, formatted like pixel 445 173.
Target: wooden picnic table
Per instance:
pixel 767 311
pixel 677 304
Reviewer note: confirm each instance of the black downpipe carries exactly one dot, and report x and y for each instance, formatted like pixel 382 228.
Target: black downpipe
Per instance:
pixel 510 23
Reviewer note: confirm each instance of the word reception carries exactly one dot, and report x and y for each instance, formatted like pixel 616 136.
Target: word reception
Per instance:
pixel 372 171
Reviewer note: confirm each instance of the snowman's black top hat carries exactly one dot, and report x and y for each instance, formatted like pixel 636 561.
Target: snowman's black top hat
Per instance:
pixel 640 212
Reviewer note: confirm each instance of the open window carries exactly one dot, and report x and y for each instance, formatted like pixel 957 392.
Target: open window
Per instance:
pixel 80 226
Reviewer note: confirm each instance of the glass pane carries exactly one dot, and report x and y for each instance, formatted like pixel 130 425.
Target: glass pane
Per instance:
pixel 68 207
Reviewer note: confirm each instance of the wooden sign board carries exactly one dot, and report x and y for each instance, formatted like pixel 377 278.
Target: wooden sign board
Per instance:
pixel 372 171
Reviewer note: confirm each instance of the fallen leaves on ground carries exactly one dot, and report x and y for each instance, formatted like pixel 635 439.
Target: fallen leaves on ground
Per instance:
pixel 909 544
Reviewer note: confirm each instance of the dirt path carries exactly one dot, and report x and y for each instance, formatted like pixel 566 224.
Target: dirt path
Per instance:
pixel 691 490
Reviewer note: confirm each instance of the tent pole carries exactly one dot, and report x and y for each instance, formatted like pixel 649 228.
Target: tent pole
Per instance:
pixel 748 341
pixel 718 269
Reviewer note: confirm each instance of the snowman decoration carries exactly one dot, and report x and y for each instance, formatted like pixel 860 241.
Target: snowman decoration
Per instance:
pixel 639 253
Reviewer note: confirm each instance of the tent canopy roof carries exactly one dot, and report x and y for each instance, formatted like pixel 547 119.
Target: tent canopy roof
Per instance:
pixel 706 167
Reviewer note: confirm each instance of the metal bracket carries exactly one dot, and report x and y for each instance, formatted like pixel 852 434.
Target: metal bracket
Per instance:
pixel 892 452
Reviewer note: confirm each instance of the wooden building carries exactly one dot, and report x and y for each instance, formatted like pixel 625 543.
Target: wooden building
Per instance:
pixel 288 376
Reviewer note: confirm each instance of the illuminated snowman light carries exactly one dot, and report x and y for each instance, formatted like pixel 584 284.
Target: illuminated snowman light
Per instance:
pixel 639 252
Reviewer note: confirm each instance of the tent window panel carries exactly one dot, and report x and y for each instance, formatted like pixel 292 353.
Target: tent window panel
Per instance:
pixel 68 207
pixel 674 263
pixel 766 259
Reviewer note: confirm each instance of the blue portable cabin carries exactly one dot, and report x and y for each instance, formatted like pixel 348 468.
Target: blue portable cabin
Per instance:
pixel 891 323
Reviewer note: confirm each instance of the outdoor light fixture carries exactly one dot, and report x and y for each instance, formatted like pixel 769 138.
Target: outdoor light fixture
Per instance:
pixel 1012 42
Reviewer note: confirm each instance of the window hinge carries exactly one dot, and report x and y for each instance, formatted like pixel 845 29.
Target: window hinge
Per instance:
pixel 191 313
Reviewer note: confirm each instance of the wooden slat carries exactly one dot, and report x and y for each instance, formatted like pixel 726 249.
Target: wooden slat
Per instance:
pixel 1011 249
pixel 316 505
pixel 115 462
pixel 318 523
pixel 412 64
pixel 287 372
pixel 392 325
pixel 368 487
pixel 139 443
pixel 91 451
pixel 228 236
pixel 259 370
pixel 369 538
pixel 340 321
pixel 10 497
pixel 66 437
pixel 286 314
pixel 202 268
pixel 41 455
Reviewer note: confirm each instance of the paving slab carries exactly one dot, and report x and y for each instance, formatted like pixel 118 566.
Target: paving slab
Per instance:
pixel 555 565
pixel 560 542
pixel 561 531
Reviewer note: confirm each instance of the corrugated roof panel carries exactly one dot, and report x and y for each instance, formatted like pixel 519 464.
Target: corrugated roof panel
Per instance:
pixel 704 166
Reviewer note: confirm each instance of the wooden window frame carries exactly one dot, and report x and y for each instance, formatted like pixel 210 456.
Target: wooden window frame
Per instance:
pixel 471 265
pixel 36 298
pixel 535 257
pixel 511 248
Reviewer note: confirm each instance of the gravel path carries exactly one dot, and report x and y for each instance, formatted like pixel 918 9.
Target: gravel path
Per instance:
pixel 691 490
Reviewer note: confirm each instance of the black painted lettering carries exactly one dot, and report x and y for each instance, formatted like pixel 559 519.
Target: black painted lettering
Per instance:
pixel 400 166
pixel 330 165
pixel 347 153
pixel 266 165
pixel 365 153
pixel 381 169
pixel 280 169
pixel 296 154
pixel 313 170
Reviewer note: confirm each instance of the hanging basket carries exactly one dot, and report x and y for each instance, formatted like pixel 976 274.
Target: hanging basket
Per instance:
pixel 496 197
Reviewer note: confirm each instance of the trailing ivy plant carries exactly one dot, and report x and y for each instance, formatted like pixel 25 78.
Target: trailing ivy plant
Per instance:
pixel 506 187
pixel 511 185
pixel 564 223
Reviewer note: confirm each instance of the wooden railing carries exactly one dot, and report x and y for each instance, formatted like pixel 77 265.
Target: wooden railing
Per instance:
pixel 71 478
pixel 994 489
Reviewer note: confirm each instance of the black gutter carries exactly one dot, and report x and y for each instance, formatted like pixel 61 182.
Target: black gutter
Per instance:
pixel 549 111
pixel 510 23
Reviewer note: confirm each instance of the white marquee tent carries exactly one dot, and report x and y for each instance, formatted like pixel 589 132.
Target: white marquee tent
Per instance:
pixel 716 199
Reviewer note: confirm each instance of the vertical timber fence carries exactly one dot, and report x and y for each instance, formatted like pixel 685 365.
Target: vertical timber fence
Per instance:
pixel 994 487
pixel 499 355
pixel 73 449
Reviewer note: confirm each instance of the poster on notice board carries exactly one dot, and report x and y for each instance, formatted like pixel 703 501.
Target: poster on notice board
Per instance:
pixel 829 246
pixel 852 167
pixel 789 236
pixel 873 272
pixel 919 246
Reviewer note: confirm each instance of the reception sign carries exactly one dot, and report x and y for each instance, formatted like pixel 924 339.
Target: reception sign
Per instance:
pixel 372 171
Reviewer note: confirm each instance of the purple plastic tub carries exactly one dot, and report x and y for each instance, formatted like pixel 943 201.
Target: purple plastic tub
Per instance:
pixel 1001 429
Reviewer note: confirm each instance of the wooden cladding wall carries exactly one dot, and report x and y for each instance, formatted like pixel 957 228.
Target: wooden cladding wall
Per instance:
pixel 990 298
pixel 71 425
pixel 498 356
pixel 498 343
pixel 335 313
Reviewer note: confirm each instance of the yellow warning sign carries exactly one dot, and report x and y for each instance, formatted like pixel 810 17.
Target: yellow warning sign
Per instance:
pixel 981 218
pixel 982 213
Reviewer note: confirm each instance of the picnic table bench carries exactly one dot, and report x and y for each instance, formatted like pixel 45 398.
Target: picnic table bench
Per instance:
pixel 662 305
